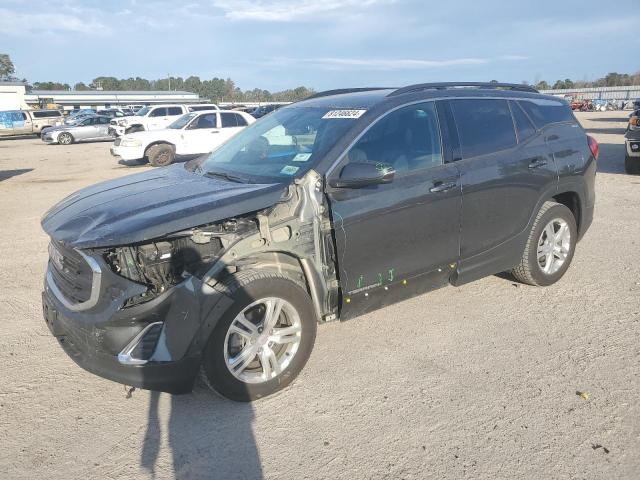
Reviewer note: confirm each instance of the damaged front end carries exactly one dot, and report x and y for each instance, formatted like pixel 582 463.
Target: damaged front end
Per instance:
pixel 158 301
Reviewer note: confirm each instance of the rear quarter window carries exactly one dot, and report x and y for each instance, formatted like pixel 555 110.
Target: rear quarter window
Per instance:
pixel 484 126
pixel 48 114
pixel 524 127
pixel 544 111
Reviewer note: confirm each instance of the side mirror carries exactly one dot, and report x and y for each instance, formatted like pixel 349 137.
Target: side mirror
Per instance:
pixel 356 175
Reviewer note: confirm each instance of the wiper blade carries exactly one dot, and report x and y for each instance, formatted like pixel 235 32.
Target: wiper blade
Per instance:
pixel 226 176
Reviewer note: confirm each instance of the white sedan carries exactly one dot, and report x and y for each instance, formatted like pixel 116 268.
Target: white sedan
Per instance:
pixel 192 134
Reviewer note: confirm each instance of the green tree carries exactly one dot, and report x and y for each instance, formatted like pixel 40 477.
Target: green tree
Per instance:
pixel 6 66
pixel 80 86
pixel 543 85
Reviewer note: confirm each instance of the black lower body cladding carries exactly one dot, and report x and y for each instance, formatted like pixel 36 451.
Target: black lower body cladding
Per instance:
pixel 97 338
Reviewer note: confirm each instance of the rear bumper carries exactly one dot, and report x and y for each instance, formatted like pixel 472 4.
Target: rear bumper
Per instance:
pixel 633 147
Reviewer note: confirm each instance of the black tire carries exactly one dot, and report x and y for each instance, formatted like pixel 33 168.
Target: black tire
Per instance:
pixel 529 270
pixel 631 165
pixel 161 155
pixel 65 138
pixel 245 288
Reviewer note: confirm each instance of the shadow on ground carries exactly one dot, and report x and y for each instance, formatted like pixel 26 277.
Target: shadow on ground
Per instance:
pixel 6 174
pixel 208 437
pixel 611 158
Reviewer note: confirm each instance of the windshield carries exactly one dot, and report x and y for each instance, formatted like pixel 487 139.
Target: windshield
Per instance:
pixel 281 146
pixel 182 121
pixel 143 111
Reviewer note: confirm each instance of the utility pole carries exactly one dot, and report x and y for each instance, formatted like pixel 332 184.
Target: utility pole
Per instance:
pixel 169 76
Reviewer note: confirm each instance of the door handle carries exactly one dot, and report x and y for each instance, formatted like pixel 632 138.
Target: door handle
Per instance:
pixel 537 163
pixel 442 187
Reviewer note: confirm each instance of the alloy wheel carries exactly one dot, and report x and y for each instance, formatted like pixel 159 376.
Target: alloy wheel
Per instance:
pixel 262 340
pixel 554 245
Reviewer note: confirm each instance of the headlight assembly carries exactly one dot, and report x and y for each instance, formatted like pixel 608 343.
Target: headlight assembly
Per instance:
pixel 131 142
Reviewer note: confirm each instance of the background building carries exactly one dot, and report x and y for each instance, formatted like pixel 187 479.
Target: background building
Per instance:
pixel 12 96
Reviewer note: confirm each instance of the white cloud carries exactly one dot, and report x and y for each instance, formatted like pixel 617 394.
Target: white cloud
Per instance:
pixel 19 24
pixel 290 10
pixel 334 63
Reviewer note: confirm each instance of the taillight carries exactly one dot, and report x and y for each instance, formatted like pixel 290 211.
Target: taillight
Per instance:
pixel 593 145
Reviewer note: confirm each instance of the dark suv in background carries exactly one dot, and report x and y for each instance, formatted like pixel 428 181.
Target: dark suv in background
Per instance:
pixel 323 210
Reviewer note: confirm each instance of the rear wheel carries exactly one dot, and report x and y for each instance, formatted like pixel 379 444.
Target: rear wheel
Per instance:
pixel 550 247
pixel 161 155
pixel 261 344
pixel 631 165
pixel 65 138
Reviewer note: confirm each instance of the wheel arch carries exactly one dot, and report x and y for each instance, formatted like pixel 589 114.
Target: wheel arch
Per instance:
pixel 571 199
pixel 299 269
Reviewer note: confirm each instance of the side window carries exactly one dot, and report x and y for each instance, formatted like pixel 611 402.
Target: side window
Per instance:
pixel 524 128
pixel 228 120
pixel 87 122
pixel 240 120
pixel 543 111
pixel 175 111
pixel 158 112
pixel 484 126
pixel 205 121
pixel 104 120
pixel 407 139
pixel 24 115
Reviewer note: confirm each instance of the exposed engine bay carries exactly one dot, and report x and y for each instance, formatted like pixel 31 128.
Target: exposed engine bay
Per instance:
pixel 294 235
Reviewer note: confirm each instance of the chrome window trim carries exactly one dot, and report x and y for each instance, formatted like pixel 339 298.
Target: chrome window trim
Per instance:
pixel 340 158
pixel 125 358
pixel 95 286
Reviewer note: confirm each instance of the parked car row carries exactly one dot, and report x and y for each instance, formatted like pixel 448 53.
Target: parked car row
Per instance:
pixel 194 133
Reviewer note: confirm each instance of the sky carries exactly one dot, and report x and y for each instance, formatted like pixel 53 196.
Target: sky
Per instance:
pixel 322 44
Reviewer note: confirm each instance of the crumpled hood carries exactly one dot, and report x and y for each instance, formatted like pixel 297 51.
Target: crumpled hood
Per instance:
pixel 148 205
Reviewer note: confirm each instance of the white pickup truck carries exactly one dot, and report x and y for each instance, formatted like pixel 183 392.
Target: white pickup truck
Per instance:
pixel 154 117
pixel 192 134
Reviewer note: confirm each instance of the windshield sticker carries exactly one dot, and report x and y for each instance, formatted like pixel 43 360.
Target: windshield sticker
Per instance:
pixel 344 114
pixel 302 157
pixel 289 170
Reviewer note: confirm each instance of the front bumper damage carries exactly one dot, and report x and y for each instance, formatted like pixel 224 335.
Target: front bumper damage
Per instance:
pixel 116 343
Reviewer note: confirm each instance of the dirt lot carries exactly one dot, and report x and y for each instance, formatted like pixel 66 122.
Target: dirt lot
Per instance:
pixel 475 382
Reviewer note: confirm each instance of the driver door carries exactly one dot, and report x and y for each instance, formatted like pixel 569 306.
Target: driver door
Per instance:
pixel 397 239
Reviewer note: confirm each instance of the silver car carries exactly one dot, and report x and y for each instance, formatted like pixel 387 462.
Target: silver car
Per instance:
pixel 91 128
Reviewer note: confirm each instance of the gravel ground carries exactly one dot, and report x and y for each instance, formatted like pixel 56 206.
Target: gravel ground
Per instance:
pixel 475 382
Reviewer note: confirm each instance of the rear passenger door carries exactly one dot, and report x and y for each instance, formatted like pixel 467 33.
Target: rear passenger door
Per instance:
pixel 503 174
pixel 402 238
pixel 231 123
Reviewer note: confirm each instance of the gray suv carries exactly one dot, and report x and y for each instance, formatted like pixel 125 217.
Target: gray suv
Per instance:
pixel 323 210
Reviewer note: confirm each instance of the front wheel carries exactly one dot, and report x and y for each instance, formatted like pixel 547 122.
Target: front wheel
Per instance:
pixel 65 138
pixel 550 246
pixel 261 344
pixel 161 155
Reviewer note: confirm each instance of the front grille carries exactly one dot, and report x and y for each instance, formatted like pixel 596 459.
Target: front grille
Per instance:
pixel 71 273
pixel 117 141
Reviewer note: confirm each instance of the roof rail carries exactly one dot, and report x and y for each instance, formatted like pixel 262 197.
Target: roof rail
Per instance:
pixel 451 85
pixel 338 91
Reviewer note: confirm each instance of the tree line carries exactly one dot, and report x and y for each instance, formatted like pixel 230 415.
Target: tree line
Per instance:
pixel 612 79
